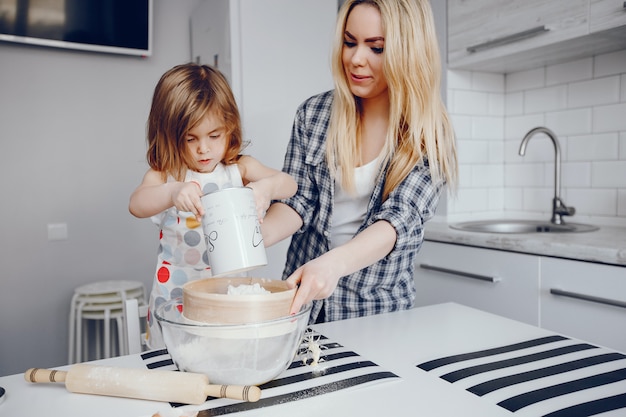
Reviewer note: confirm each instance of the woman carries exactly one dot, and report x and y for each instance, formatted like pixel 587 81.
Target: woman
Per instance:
pixel 371 158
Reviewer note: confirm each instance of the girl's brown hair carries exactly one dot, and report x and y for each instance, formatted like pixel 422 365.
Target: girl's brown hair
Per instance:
pixel 182 97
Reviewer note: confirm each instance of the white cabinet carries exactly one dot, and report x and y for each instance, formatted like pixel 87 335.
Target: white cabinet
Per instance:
pixel 507 35
pixel 502 283
pixel 579 299
pixel 584 300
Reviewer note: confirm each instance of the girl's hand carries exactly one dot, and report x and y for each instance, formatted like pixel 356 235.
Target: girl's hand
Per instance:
pixel 185 196
pixel 317 279
pixel 262 196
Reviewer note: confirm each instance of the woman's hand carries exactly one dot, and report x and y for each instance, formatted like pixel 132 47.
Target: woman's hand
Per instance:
pixel 317 279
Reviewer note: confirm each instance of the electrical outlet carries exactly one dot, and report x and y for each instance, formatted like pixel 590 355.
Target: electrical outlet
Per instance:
pixel 57 231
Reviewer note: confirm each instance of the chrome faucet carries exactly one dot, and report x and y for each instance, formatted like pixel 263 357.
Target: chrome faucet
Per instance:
pixel 559 208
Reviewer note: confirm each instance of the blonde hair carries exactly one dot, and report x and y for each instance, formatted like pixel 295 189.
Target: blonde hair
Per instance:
pixel 418 121
pixel 182 97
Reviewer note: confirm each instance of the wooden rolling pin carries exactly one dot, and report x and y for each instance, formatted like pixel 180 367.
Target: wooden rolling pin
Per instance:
pixel 166 386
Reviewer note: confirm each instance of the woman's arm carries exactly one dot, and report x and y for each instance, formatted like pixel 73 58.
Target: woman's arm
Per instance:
pixel 155 195
pixel 318 278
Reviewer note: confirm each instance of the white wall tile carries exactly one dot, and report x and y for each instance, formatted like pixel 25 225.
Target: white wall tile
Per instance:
pixel 575 174
pixel 487 81
pixel 524 80
pixel 609 64
pixel 514 103
pixel 459 80
pixel 623 84
pixel 594 202
pixel 545 99
pixel 602 146
pixel 527 175
pixel 470 103
pixel 470 200
pixel 622 146
pixel 496 152
pixel 608 174
pixel 473 151
pixel 609 118
pixel 513 199
pixel 569 122
pixel 579 70
pixel 496 104
pixel 515 127
pixel 465 176
pixel 621 203
pixel 538 200
pixel 491 128
pixel 488 175
pixel 462 126
pixel 594 92
pixel 496 199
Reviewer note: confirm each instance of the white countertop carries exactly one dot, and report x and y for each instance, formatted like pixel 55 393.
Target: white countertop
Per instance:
pixel 397 342
pixel 606 245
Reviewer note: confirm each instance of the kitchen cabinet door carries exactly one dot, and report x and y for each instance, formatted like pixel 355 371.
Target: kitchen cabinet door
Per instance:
pixel 606 14
pixel 498 282
pixel 485 31
pixel 584 300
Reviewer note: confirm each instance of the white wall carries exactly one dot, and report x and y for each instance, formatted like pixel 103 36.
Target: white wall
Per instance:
pixel 72 134
pixel 583 102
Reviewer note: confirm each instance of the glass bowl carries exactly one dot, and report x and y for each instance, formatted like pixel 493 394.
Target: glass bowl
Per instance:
pixel 231 354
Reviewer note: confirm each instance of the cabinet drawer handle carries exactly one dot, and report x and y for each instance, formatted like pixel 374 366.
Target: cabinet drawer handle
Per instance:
pixel 460 273
pixel 585 297
pixel 508 39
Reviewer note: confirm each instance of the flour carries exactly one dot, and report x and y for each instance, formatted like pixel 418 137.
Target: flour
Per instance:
pixel 245 289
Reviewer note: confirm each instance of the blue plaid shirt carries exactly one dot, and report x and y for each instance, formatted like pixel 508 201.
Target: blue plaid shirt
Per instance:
pixel 387 285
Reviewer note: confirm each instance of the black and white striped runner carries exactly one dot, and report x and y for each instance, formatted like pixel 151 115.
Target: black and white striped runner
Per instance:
pixel 551 376
pixel 339 368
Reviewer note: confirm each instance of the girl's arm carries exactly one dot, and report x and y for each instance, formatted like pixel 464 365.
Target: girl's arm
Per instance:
pixel 318 278
pixel 155 195
pixel 267 183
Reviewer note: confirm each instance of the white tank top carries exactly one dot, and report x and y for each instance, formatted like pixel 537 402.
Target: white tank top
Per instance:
pixel 349 210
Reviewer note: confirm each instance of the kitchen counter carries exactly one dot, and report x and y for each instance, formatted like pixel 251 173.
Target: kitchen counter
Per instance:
pixel 606 245
pixel 448 360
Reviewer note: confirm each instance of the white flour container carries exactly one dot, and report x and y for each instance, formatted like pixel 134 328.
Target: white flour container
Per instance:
pixel 232 231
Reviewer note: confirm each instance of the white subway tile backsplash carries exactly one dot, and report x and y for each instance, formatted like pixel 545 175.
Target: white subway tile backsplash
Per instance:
pixel 575 174
pixel 593 202
pixel 525 80
pixel 515 127
pixel 582 101
pixel 609 64
pixel 470 103
pixel 514 104
pixel 594 92
pixel 488 175
pixel 459 80
pixel 524 175
pixel 621 203
pixel 609 118
pixel 608 174
pixel 491 128
pixel 538 199
pixel 598 147
pixel 570 71
pixel 474 151
pixel 489 82
pixel 570 122
pixel 545 99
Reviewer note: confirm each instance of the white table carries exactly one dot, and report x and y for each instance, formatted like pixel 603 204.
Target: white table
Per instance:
pixel 397 342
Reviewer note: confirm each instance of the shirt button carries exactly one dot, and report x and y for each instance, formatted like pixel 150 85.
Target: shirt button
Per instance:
pixel 326 233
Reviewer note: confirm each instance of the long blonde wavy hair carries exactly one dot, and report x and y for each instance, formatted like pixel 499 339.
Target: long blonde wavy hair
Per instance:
pixel 418 121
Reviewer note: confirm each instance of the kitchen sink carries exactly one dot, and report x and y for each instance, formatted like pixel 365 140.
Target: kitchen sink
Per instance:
pixel 521 226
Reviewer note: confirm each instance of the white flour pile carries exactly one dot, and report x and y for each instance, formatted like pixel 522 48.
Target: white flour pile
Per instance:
pixel 247 289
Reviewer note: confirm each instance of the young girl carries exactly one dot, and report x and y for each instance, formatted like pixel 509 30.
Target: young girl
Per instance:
pixel 372 157
pixel 194 147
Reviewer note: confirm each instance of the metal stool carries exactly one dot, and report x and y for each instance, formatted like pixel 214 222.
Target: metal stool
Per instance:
pixel 101 302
